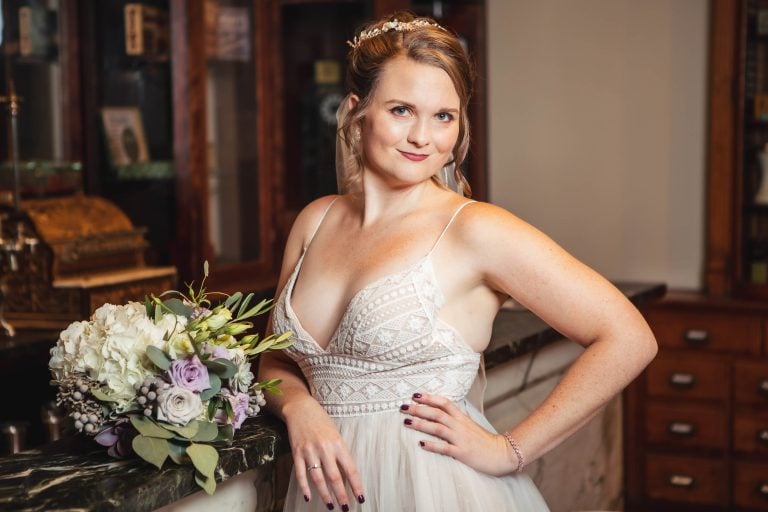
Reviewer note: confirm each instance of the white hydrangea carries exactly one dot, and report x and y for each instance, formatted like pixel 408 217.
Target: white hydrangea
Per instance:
pixel 111 347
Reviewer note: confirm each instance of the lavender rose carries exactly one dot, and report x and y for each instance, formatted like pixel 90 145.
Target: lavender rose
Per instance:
pixel 189 374
pixel 178 405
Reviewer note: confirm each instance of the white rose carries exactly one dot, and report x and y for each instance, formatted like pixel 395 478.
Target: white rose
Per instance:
pixel 178 405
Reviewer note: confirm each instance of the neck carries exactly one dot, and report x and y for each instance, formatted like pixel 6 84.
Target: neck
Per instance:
pixel 379 202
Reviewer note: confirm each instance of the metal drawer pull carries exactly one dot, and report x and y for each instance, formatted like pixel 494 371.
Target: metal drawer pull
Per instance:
pixel 681 481
pixel 763 387
pixel 763 488
pixel 679 428
pixel 762 436
pixel 685 380
pixel 696 336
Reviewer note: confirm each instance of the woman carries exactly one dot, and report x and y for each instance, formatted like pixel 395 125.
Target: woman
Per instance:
pixel 391 290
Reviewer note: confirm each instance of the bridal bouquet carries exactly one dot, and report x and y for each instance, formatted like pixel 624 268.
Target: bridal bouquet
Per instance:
pixel 168 378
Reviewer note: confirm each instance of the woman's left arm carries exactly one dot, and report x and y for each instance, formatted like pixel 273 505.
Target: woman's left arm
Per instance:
pixel 514 258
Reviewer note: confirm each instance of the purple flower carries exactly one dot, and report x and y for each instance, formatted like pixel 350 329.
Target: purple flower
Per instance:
pixel 189 374
pixel 118 436
pixel 239 403
pixel 217 351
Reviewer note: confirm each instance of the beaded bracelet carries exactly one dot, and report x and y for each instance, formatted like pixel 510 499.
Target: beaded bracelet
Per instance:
pixel 516 449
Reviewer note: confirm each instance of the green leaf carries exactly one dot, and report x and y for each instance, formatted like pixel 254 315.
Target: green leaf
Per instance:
pixel 208 484
pixel 258 309
pixel 209 393
pixel 206 432
pixel 149 428
pixel 221 367
pixel 188 431
pixel 226 433
pixel 232 299
pixel 100 395
pixel 149 306
pixel 178 307
pixel 244 304
pixel 204 457
pixel 178 452
pixel 151 449
pixel 158 357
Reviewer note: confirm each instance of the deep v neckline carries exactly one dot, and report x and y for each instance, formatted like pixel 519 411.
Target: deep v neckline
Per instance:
pixel 354 298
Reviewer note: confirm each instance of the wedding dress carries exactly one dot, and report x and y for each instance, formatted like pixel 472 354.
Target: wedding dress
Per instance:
pixel 391 343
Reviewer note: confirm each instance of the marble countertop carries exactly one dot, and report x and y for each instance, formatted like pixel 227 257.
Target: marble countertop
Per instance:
pixel 77 474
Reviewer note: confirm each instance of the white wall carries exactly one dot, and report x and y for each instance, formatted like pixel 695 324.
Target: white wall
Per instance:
pixel 597 129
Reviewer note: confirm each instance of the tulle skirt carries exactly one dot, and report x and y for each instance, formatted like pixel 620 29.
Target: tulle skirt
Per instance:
pixel 399 475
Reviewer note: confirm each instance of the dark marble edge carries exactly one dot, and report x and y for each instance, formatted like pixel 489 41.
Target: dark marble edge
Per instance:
pixel 517 332
pixel 77 474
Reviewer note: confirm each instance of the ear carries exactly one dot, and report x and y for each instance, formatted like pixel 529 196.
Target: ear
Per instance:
pixel 352 101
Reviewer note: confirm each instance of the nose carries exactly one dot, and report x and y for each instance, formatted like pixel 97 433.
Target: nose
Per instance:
pixel 418 135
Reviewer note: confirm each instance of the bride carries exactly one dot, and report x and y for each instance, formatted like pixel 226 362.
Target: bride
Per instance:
pixel 391 289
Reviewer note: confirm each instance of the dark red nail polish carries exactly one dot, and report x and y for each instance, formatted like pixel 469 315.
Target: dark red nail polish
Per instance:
pixel 422 444
pixel 404 407
pixel 417 395
pixel 330 506
pixel 345 508
pixel 306 498
pixel 408 421
pixel 361 499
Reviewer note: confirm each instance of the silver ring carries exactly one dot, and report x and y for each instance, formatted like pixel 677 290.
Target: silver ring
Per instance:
pixel 313 466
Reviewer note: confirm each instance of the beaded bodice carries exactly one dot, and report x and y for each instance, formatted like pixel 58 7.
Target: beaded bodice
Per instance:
pixel 390 343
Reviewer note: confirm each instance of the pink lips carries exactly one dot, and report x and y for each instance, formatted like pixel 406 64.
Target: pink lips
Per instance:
pixel 413 156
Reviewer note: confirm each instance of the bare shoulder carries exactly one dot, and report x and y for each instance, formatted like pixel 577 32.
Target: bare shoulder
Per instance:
pixel 483 225
pixel 309 218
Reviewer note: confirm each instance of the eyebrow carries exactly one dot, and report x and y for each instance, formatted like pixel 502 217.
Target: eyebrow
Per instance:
pixel 411 105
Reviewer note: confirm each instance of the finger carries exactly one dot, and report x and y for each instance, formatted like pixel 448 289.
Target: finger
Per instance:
pixel 300 469
pixel 429 412
pixel 353 476
pixel 440 447
pixel 335 480
pixel 438 401
pixel 318 480
pixel 430 427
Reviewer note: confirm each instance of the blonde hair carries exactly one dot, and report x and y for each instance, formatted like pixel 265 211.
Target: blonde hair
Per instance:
pixel 426 44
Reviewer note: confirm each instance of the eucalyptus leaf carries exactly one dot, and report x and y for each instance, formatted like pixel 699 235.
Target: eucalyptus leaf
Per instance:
pixel 204 457
pixel 158 357
pixel 149 428
pixel 178 452
pixel 224 368
pixel 151 449
pixel 187 431
pixel 226 433
pixel 244 304
pixel 206 432
pixel 208 484
pixel 209 393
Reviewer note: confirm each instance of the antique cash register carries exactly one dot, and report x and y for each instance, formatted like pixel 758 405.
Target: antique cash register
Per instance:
pixel 61 258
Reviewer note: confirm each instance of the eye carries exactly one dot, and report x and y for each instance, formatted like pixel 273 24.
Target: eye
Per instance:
pixel 400 110
pixel 444 116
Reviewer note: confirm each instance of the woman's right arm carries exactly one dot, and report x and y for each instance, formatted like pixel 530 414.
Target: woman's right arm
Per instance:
pixel 313 435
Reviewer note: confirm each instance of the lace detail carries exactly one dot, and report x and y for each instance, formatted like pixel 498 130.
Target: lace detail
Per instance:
pixel 389 344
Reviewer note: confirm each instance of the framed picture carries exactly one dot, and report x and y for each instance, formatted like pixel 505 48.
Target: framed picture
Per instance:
pixel 125 135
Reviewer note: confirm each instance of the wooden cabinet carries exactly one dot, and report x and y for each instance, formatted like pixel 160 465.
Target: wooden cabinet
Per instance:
pixel 696 423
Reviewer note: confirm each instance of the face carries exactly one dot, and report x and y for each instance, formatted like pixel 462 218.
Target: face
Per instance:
pixel 412 124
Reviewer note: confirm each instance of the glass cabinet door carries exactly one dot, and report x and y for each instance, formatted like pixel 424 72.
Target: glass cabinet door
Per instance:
pixel 36 67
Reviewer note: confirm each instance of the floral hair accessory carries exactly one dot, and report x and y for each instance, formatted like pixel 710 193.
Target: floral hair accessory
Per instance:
pixel 397 26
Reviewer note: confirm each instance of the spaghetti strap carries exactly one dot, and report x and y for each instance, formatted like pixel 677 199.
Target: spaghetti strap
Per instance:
pixel 448 225
pixel 317 227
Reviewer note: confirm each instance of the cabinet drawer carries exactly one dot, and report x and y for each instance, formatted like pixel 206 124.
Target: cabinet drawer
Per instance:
pixel 687 425
pixel 750 383
pixel 687 376
pixel 690 480
pixel 750 433
pixel 711 331
pixel 750 485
